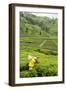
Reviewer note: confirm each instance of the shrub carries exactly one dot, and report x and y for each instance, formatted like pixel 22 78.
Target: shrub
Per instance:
pixel 24 74
pixel 50 70
pixel 23 67
pixel 39 71
pixel 31 73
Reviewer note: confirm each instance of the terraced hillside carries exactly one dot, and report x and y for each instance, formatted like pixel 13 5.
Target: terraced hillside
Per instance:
pixel 38 37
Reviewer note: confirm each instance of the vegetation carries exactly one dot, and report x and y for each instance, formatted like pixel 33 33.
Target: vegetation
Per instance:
pixel 38 37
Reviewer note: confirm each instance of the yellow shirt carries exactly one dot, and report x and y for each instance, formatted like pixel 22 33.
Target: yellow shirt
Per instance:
pixel 32 62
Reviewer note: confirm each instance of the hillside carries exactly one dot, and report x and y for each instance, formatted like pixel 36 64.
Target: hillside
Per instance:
pixel 38 38
pixel 32 25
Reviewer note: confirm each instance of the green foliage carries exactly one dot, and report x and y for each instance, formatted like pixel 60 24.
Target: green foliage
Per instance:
pixel 24 74
pixel 34 24
pixel 40 71
pixel 32 73
pixel 24 67
pixel 47 52
pixel 47 66
pixel 38 37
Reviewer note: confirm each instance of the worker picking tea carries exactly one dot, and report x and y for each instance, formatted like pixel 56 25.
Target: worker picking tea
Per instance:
pixel 32 61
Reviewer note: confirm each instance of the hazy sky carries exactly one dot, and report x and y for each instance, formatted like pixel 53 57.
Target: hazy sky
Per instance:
pixel 51 15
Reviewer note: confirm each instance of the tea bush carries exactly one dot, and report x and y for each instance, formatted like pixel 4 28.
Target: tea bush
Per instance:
pixel 32 73
pixel 23 67
pixel 39 71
